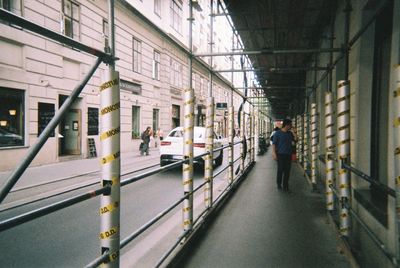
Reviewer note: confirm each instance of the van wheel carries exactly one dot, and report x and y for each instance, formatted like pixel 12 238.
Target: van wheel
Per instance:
pixel 219 159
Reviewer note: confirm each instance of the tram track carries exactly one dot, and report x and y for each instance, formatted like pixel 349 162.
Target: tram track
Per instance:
pixel 30 194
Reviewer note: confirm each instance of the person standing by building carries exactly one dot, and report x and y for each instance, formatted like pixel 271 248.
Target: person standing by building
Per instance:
pixel 146 141
pixel 160 134
pixel 282 152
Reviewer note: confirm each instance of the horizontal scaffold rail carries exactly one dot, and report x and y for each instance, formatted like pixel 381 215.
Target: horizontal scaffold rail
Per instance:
pixel 271 51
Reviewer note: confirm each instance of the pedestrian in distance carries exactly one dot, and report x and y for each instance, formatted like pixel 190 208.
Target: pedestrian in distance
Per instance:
pixel 159 136
pixel 146 141
pixel 282 153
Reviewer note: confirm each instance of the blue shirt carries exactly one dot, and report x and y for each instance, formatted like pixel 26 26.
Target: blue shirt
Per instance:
pixel 283 142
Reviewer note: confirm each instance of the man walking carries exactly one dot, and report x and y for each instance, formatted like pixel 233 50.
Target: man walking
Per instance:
pixel 282 152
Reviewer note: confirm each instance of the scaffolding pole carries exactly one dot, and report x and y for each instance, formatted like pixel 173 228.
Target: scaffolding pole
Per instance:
pixel 343 126
pixel 210 113
pixel 188 128
pixel 396 135
pixel 330 151
pixel 314 145
pixel 305 143
pixel 242 137
pixel 110 154
pixel 300 139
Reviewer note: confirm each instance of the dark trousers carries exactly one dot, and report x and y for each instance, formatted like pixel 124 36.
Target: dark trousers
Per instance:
pixel 284 163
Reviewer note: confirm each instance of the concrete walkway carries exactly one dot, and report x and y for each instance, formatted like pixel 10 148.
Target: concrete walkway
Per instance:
pixel 263 227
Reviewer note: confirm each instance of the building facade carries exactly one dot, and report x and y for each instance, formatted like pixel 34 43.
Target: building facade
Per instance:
pixel 151 37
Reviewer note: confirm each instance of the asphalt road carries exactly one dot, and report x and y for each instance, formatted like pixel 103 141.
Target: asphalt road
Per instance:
pixel 69 238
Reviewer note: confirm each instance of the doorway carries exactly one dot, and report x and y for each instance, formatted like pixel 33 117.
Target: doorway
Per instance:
pixel 70 129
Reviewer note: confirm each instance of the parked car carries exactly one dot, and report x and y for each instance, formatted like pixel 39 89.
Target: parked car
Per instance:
pixel 9 138
pixel 171 149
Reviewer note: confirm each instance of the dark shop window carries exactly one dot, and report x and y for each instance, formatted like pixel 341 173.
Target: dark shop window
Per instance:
pixel 45 114
pixel 93 121
pixel 11 117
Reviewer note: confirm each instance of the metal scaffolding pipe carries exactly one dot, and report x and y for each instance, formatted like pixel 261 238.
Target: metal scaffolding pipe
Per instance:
pixel 242 137
pixel 343 126
pixel 15 20
pixel 188 130
pixel 396 143
pixel 305 143
pixel 270 51
pixel 210 113
pixel 208 163
pixel 110 154
pixel 32 152
pixel 273 70
pixel 314 144
pixel 110 166
pixel 330 150
pixel 347 11
pixel 231 146
pixel 299 147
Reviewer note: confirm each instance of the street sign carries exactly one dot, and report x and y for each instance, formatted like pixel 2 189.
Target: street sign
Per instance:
pixel 221 105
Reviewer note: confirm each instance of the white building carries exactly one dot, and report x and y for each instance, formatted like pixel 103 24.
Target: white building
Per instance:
pixel 37 74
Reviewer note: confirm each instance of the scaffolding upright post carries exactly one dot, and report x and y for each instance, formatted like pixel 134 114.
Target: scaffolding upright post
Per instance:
pixel 330 151
pixel 188 126
pixel 242 137
pixel 396 136
pixel 110 154
pixel 343 126
pixel 314 145
pixel 305 143
pixel 208 163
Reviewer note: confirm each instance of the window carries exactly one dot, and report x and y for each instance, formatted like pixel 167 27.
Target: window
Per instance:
pixel 71 19
pixel 176 77
pixel 176 116
pixel 11 117
pixel 156 119
pixel 6 4
pixel 157 7
pixel 13 6
pixel 105 28
pixel 156 65
pixel 45 114
pixel 135 122
pixel 380 96
pixel 93 121
pixel 137 55
pixel 176 15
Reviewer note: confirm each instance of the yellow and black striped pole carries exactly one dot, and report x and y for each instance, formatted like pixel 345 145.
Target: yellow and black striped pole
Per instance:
pixel 188 154
pixel 305 142
pixel 330 150
pixel 110 154
pixel 251 131
pixel 314 145
pixel 230 137
pixel 343 126
pixel 300 139
pixel 396 135
pixel 110 166
pixel 242 137
pixel 208 172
